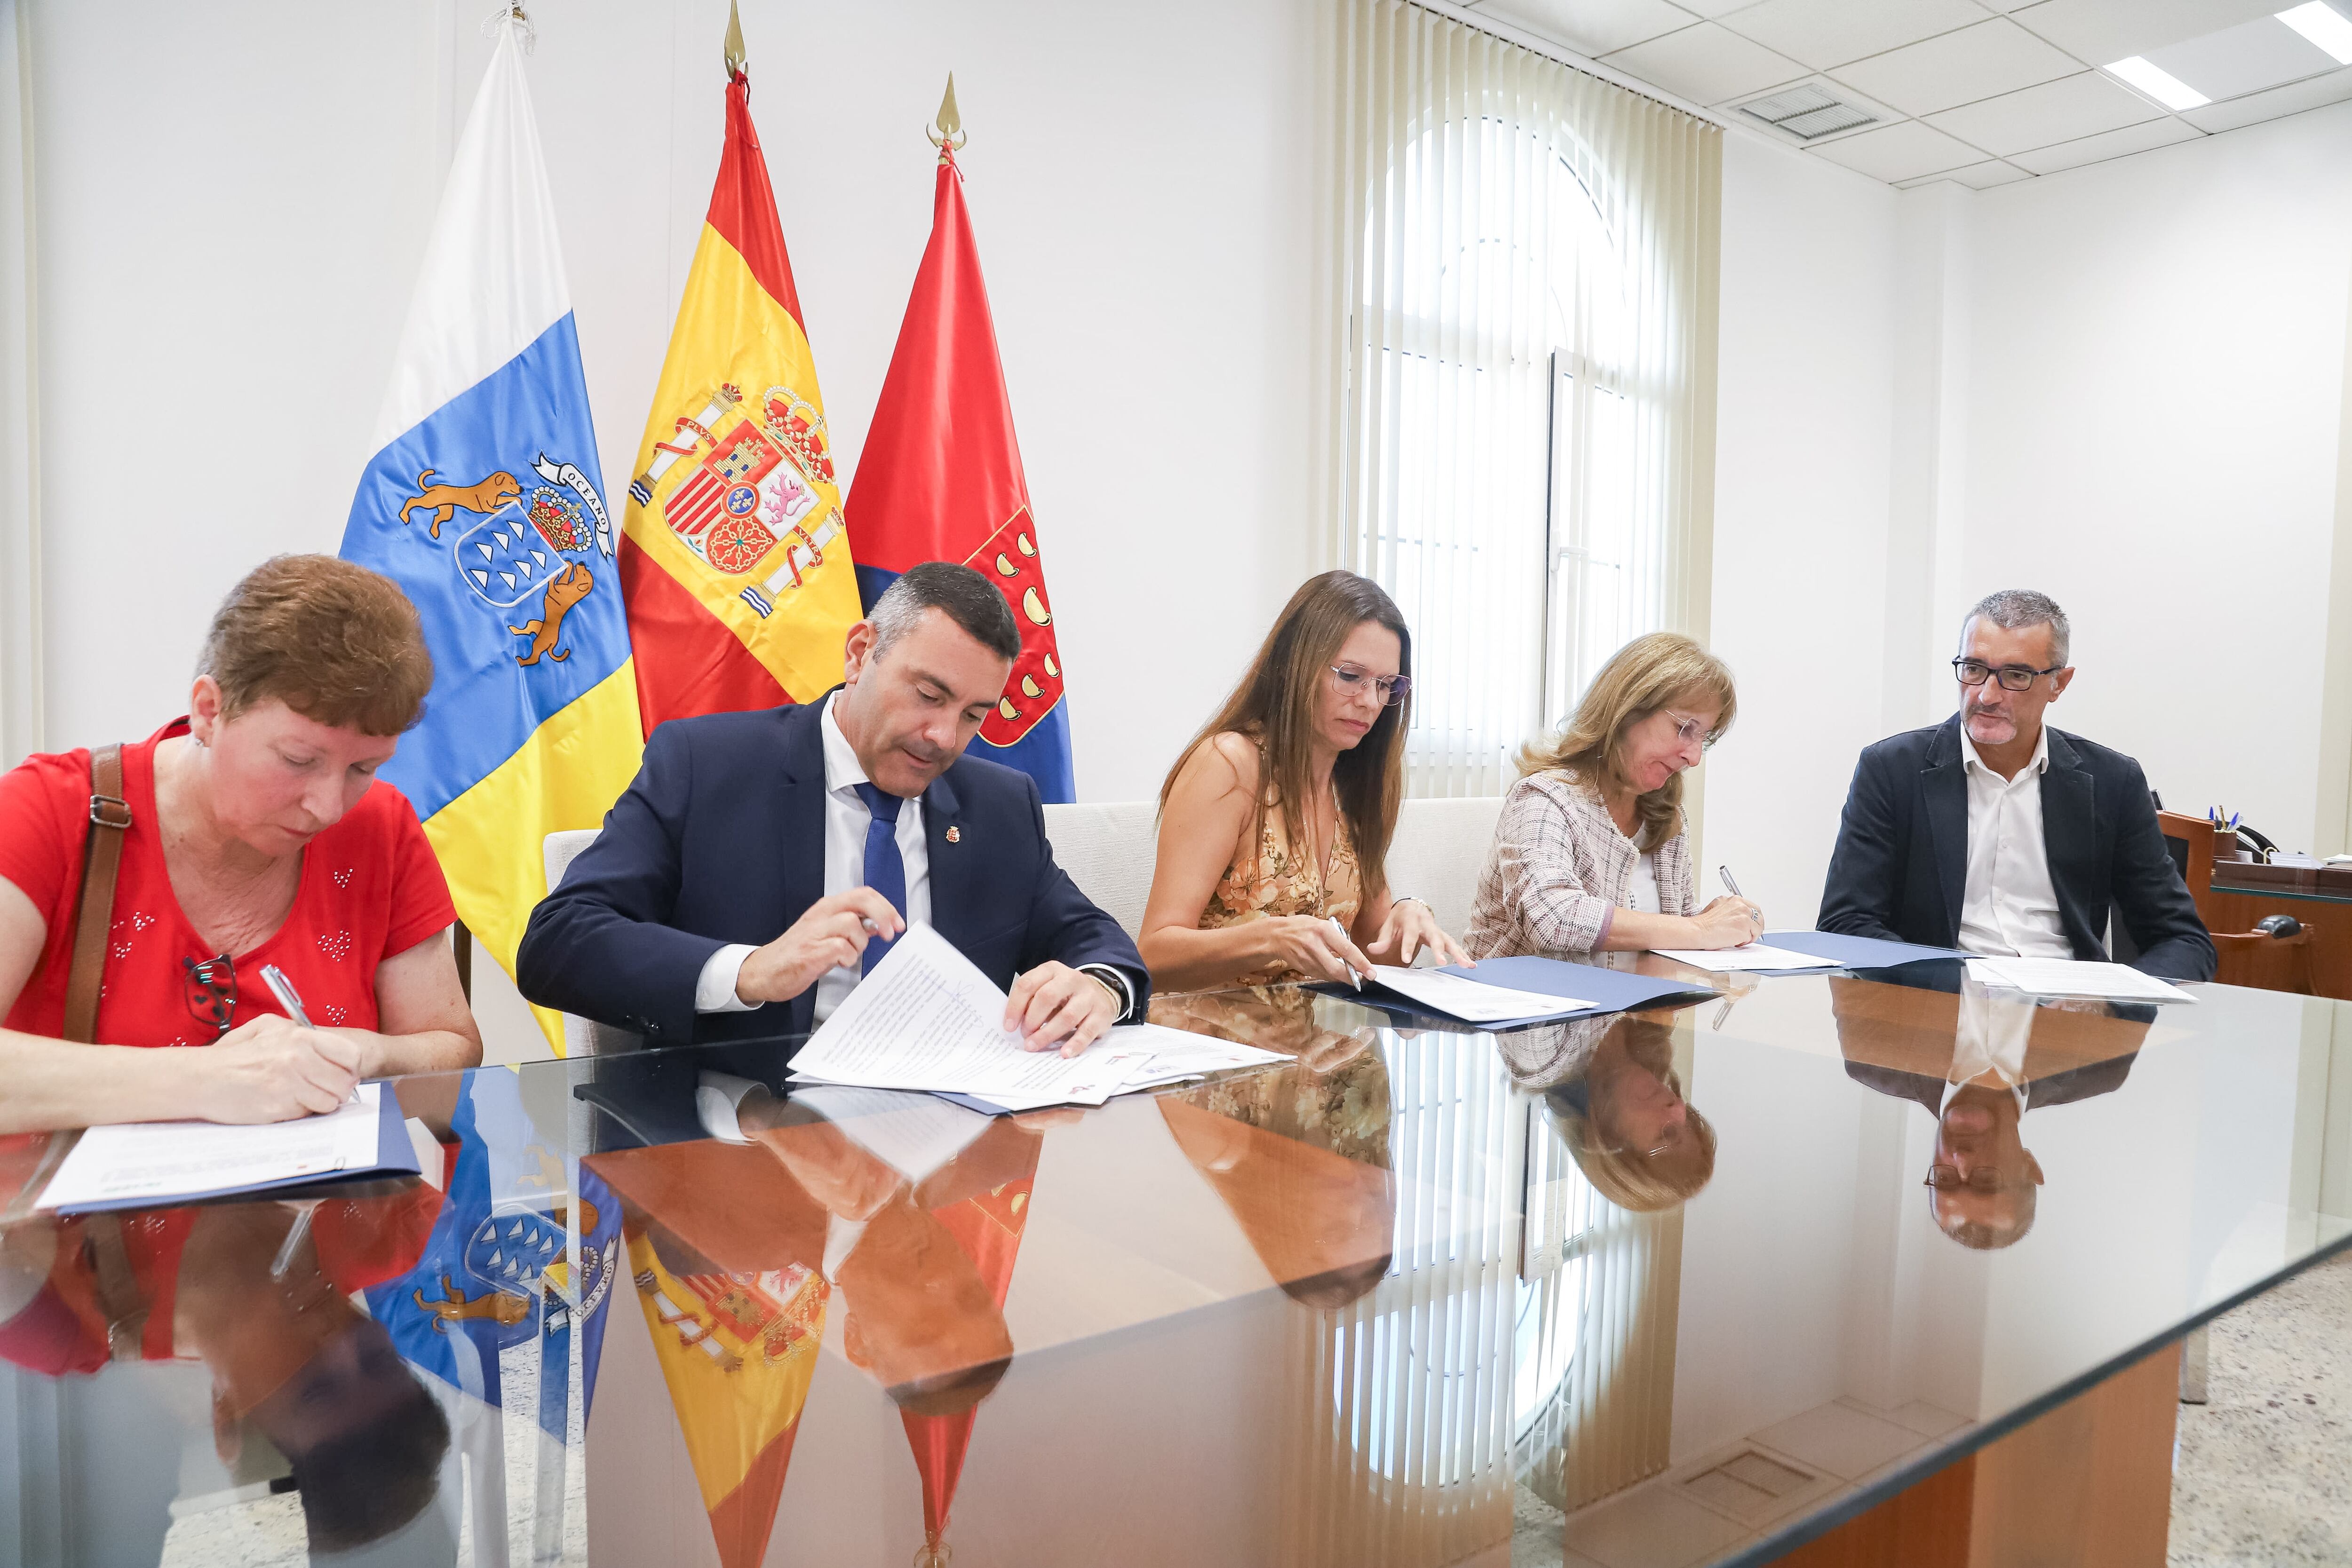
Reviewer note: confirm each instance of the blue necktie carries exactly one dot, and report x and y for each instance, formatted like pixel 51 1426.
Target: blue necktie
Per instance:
pixel 885 872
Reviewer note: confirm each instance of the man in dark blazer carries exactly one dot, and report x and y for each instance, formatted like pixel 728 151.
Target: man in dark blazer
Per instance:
pixel 737 885
pixel 1994 833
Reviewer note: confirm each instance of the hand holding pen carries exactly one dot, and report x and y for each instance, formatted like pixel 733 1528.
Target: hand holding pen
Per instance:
pixel 291 1000
pixel 1732 887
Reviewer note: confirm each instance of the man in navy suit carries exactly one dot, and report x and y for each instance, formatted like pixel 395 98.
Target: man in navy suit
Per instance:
pixel 763 862
pixel 1994 833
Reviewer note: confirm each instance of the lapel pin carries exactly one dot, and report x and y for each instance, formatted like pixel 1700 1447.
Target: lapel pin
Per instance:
pixel 955 835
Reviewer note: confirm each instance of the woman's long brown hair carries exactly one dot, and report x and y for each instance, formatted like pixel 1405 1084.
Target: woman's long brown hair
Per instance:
pixel 1274 705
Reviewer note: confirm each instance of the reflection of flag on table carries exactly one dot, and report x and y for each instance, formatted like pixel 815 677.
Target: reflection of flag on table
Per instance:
pixel 737 575
pixel 988 1227
pixel 939 479
pixel 484 502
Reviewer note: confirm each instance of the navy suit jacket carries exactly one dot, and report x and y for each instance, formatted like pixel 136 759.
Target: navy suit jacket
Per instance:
pixel 720 839
pixel 1901 866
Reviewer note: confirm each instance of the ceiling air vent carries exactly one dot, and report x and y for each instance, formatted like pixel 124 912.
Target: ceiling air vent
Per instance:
pixel 1807 112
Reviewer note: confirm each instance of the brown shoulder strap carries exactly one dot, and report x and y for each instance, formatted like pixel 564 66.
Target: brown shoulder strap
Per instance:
pixel 110 817
pixel 118 1286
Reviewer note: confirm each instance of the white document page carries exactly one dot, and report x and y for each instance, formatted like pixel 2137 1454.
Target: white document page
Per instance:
pixel 1175 1054
pixel 927 1019
pixel 1752 956
pixel 1472 1002
pixel 2071 977
pixel 160 1161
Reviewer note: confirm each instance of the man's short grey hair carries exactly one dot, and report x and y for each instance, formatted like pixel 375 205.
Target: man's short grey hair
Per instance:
pixel 2015 609
pixel 968 599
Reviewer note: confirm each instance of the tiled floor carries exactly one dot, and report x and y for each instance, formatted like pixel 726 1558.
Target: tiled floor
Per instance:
pixel 2261 1477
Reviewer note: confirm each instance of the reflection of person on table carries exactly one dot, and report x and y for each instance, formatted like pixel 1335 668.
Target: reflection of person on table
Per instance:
pixel 1300 1154
pixel 1612 1089
pixel 259 834
pixel 1592 852
pixel 1978 1063
pixel 1275 821
pixel 290 1353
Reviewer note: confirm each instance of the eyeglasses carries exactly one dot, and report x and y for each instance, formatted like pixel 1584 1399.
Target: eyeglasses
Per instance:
pixel 210 993
pixel 1689 731
pixel 1348 680
pixel 1984 1179
pixel 2012 677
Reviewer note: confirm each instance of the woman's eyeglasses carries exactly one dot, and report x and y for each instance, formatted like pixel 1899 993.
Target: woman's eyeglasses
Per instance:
pixel 1688 731
pixel 1348 680
pixel 211 992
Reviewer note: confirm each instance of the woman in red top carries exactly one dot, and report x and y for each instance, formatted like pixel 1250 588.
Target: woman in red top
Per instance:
pixel 258 835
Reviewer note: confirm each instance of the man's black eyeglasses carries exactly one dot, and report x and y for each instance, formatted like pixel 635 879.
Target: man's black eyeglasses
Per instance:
pixel 2012 677
pixel 212 991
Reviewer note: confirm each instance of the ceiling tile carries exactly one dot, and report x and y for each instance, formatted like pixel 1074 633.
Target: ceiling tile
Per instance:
pixel 2245 59
pixel 1974 176
pixel 2106 145
pixel 1592 26
pixel 1899 151
pixel 1825 33
pixel 1983 61
pixel 1706 64
pixel 1714 7
pixel 2101 32
pixel 2058 111
pixel 2254 108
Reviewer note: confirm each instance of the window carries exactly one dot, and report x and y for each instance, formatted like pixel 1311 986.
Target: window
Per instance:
pixel 1527 337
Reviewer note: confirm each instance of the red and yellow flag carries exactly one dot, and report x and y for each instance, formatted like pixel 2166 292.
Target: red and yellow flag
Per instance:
pixel 733 561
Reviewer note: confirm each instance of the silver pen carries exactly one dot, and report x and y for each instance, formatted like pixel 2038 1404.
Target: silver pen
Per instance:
pixel 1732 888
pixel 1353 978
pixel 291 1000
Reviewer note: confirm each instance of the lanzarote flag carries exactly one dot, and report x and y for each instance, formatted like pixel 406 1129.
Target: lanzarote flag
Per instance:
pixel 940 478
pixel 733 561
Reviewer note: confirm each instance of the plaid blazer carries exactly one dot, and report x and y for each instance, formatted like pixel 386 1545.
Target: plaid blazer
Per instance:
pixel 1560 871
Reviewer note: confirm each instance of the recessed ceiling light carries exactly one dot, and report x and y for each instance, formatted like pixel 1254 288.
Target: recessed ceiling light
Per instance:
pixel 2325 26
pixel 2160 84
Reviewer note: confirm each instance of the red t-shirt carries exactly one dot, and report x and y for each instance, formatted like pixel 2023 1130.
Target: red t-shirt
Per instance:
pixel 370 889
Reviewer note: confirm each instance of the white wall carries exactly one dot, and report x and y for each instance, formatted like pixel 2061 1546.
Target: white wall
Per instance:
pixel 1803 423
pixel 233 199
pixel 2158 361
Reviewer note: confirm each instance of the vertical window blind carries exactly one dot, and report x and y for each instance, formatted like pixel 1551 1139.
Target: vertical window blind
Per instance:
pixel 1527 394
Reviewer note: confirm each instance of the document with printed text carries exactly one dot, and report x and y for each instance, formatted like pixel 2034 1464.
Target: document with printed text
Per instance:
pixel 2070 977
pixel 164 1161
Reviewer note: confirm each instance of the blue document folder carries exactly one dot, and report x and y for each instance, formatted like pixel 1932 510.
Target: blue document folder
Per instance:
pixel 1853 952
pixel 1609 990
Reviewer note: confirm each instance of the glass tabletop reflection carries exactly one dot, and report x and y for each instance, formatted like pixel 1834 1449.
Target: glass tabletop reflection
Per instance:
pixel 1734 1269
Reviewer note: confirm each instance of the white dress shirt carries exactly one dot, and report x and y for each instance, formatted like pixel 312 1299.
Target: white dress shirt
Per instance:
pixel 845 821
pixel 1994 1034
pixel 2008 908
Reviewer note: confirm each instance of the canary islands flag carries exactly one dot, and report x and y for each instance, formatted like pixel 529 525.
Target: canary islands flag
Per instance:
pixel 484 501
pixel 940 478
pixel 738 579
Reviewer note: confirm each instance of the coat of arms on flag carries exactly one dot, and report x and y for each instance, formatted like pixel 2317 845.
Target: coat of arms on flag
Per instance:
pixel 761 481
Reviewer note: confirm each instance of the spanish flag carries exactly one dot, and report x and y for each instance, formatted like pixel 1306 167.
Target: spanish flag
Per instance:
pixel 733 561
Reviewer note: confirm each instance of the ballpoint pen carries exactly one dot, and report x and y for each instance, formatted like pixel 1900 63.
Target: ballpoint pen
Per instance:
pixel 1732 888
pixel 1353 978
pixel 291 1000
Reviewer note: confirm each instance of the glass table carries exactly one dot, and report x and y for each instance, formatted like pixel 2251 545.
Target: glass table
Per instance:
pixel 1677 1273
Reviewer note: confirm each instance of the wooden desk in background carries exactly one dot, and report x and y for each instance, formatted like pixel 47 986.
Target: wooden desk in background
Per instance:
pixel 2320 897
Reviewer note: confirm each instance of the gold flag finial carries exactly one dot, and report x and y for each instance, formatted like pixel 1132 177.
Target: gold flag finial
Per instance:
pixel 735 58
pixel 949 135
